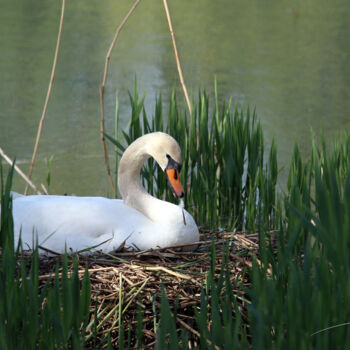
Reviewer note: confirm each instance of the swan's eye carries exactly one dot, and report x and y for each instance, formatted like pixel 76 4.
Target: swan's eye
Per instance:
pixel 172 164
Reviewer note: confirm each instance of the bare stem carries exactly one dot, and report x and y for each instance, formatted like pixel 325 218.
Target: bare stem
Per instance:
pixel 102 128
pixel 47 96
pixel 177 56
pixel 19 171
pixel 102 88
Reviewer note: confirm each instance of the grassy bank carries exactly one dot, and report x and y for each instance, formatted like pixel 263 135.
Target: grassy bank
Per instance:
pixel 272 271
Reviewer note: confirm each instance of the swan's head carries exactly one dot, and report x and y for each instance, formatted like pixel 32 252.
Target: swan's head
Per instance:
pixel 166 151
pixel 163 148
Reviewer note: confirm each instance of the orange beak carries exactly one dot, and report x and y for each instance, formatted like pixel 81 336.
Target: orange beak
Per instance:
pixel 174 180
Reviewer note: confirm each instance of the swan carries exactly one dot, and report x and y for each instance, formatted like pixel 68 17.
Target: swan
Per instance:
pixel 138 222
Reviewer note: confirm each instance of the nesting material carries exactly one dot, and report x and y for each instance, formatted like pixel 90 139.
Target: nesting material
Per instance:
pixel 137 277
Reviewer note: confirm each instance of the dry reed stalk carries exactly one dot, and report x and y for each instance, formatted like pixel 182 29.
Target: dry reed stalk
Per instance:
pixel 105 73
pixel 168 271
pixel 244 242
pixel 19 171
pixel 179 69
pixel 183 323
pixel 47 95
pixel 80 272
pixel 44 189
pixel 196 333
pixel 102 88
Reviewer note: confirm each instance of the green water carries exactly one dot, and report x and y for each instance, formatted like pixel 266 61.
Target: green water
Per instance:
pixel 288 59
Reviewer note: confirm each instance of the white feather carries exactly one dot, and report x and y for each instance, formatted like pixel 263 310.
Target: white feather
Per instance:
pixel 72 223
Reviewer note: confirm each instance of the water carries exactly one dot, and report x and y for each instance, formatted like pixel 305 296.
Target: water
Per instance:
pixel 288 59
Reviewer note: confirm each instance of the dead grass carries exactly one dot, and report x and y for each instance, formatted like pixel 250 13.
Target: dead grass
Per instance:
pixel 135 279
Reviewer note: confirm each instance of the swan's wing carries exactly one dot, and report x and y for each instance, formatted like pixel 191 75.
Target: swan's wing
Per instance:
pixel 74 222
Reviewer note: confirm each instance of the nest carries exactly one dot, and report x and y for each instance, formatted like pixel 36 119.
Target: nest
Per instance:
pixel 136 278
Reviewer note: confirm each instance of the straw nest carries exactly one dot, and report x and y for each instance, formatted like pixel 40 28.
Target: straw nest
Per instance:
pixel 136 278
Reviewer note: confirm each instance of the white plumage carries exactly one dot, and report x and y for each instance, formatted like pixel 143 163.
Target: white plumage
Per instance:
pixel 71 223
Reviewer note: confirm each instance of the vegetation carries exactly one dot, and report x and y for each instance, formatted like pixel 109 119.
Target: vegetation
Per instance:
pixel 223 162
pixel 272 270
pixel 32 317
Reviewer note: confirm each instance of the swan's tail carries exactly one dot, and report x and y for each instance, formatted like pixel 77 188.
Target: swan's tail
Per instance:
pixel 16 195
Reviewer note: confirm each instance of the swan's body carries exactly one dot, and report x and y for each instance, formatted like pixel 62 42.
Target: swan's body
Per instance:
pixel 141 221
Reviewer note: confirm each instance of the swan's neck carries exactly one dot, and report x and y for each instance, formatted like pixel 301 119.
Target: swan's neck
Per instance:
pixel 129 181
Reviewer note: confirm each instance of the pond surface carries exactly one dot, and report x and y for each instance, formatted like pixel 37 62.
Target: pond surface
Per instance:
pixel 288 59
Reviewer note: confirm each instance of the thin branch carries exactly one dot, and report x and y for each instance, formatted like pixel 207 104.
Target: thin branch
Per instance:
pixel 19 171
pixel 47 95
pixel 177 56
pixel 102 88
pixel 102 129
pixel 196 333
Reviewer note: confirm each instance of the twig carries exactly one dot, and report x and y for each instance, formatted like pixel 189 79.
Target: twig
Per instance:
pixel 177 56
pixel 44 189
pixel 244 242
pixel 80 272
pixel 47 95
pixel 183 323
pixel 19 171
pixel 196 333
pixel 166 270
pixel 102 88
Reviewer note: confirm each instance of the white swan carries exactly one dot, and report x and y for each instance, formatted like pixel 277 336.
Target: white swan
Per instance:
pixel 141 221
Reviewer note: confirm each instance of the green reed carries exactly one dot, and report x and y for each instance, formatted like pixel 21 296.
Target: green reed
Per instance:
pixel 298 297
pixel 225 168
pixel 52 316
pixel 309 290
pixel 303 301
